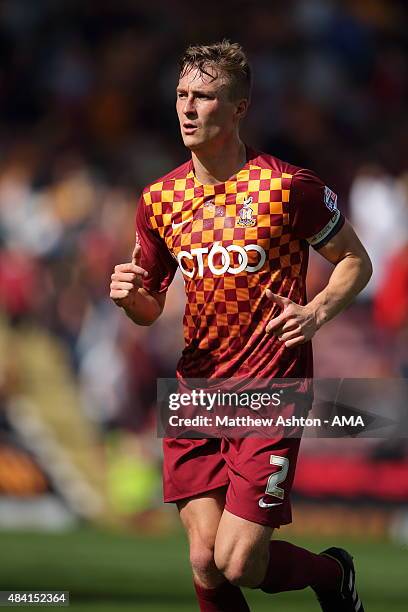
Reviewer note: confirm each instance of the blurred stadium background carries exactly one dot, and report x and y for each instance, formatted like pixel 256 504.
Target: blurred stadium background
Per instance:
pixel 86 120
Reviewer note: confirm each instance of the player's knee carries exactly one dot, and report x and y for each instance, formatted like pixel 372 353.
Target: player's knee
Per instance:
pixel 236 569
pixel 242 567
pixel 202 560
pixel 202 553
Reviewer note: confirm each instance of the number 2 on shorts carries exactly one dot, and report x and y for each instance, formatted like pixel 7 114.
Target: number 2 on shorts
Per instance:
pixel 276 478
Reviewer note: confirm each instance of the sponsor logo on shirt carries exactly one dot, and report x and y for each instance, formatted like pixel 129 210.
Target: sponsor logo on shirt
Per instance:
pixel 207 257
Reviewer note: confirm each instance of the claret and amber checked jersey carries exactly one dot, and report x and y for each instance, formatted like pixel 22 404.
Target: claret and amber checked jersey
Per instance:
pixel 232 241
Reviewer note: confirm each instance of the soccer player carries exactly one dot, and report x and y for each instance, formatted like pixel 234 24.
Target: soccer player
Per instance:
pixel 238 223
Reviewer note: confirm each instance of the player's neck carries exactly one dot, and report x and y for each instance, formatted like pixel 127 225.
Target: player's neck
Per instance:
pixel 212 167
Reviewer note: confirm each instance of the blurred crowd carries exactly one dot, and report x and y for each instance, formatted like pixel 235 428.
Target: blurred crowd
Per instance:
pixel 87 120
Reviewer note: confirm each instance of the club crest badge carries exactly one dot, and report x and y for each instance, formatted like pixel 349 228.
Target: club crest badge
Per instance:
pixel 246 218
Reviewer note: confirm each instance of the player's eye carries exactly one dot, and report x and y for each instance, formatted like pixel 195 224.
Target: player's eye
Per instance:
pixel 181 94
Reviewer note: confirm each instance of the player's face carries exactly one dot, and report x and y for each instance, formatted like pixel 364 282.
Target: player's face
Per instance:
pixel 205 111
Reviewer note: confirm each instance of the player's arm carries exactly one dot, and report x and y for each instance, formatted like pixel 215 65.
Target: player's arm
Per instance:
pixel 297 324
pixel 352 271
pixel 314 217
pixel 140 285
pixel 127 291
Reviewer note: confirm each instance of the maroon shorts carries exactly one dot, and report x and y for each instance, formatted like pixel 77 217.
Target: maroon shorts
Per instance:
pixel 257 472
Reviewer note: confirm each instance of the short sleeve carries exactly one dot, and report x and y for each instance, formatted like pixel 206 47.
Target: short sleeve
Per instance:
pixel 313 209
pixel 156 258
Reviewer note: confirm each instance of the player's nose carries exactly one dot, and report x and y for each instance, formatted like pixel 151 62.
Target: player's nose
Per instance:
pixel 189 106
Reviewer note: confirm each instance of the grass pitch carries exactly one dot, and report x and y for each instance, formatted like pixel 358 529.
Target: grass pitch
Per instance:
pixel 106 572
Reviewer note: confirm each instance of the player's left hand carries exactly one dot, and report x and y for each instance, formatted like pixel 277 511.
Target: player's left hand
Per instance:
pixel 295 324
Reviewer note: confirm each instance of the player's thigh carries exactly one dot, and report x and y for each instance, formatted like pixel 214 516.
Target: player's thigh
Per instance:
pixel 201 516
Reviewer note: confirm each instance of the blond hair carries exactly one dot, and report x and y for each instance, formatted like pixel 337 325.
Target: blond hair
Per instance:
pixel 224 57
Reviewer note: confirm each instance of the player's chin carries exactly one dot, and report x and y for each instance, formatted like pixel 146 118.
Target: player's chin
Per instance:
pixel 191 143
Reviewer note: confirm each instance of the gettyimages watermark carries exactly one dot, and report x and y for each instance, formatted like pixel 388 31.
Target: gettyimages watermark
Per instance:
pixel 326 408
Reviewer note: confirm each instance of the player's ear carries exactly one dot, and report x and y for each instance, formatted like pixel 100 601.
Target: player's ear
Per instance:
pixel 241 108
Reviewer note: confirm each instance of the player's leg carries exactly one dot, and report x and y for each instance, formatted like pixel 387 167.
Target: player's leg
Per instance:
pixel 242 550
pixel 247 557
pixel 195 477
pixel 243 554
pixel 200 517
pixel 261 473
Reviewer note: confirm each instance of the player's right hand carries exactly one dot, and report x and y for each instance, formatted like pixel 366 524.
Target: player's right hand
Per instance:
pixel 127 278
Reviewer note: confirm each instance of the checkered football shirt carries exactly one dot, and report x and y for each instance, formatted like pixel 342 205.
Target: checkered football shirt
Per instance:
pixel 232 241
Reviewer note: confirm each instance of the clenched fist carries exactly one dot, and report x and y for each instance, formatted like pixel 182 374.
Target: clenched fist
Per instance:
pixel 127 278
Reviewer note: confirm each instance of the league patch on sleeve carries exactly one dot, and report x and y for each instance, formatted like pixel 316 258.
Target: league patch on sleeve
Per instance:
pixel 330 199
